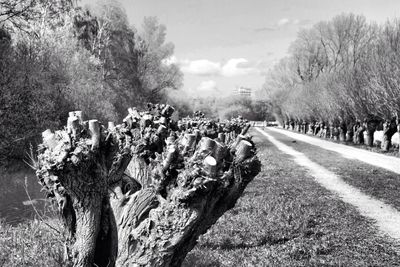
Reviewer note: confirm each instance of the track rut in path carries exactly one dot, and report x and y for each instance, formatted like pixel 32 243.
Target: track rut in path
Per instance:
pixel 386 217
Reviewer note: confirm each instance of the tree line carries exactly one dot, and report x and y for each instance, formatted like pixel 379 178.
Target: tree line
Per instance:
pixel 56 56
pixel 223 107
pixel 341 75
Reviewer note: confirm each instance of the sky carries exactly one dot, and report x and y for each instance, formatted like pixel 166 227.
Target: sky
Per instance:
pixel 223 44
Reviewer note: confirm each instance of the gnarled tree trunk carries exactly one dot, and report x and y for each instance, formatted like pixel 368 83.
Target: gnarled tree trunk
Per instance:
pixel 349 132
pixel 389 129
pixel 358 137
pixel 140 193
pixel 370 128
pixel 342 131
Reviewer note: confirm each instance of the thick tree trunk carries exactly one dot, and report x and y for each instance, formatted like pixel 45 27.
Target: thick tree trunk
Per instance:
pixel 342 132
pixel 331 131
pixel 398 131
pixel 370 128
pixel 316 128
pixel 349 133
pixel 335 133
pixel 311 128
pixel 358 137
pixel 389 129
pixel 123 204
pixel 304 127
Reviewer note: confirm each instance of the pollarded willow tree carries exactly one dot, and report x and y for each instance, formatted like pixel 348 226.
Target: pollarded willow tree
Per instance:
pixel 343 73
pixel 141 192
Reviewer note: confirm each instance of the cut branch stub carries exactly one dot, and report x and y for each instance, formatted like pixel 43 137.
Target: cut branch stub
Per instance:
pixel 171 154
pixel 189 142
pixel 219 152
pixel 210 166
pixel 78 114
pixel 221 137
pixel 245 129
pixel 206 145
pixel 243 151
pixel 111 126
pixel 94 130
pixel 49 139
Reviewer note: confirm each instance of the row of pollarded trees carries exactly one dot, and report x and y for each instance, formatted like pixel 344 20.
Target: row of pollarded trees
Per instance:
pixel 56 56
pixel 344 73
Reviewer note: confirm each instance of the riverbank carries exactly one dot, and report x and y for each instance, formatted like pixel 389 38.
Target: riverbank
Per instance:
pixel 19 189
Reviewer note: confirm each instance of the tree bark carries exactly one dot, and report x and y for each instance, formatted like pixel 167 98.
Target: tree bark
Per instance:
pixel 342 132
pixel 311 128
pixel 131 195
pixel 349 133
pixel 389 129
pixel 370 127
pixel 358 133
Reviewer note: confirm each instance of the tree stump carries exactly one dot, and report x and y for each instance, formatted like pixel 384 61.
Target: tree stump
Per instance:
pixel 152 212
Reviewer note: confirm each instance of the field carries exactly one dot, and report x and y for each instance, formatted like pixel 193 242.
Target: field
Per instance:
pixel 284 218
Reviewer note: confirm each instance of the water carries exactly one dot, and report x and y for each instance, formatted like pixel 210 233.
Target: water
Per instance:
pixel 15 205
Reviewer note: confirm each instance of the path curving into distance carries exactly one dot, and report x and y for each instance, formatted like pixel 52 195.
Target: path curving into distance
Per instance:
pixel 387 162
pixel 386 217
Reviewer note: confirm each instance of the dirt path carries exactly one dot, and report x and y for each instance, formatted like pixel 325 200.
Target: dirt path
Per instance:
pixel 375 159
pixel 386 217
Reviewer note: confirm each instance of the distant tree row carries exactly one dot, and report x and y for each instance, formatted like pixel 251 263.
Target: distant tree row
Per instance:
pixel 342 74
pixel 56 57
pixel 222 107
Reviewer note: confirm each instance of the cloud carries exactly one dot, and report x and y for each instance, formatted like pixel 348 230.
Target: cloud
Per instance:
pixel 283 22
pixel 265 29
pixel 237 67
pixel 232 67
pixel 209 85
pixel 202 67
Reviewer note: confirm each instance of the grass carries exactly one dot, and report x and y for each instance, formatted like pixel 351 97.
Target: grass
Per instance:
pixel 283 219
pixel 32 244
pixel 371 180
pixel 286 219
pixel 25 241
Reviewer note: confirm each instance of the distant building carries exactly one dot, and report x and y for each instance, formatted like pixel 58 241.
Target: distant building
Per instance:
pixel 243 91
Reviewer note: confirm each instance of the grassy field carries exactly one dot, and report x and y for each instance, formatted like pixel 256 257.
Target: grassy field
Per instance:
pixel 283 219
pixel 286 219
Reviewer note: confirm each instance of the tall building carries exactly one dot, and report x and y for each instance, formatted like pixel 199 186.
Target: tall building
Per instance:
pixel 243 91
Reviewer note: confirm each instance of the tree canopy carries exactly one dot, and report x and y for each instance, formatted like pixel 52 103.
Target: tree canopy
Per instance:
pixel 344 69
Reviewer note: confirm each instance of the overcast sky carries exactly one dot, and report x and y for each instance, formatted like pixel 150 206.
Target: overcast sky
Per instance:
pixel 222 44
